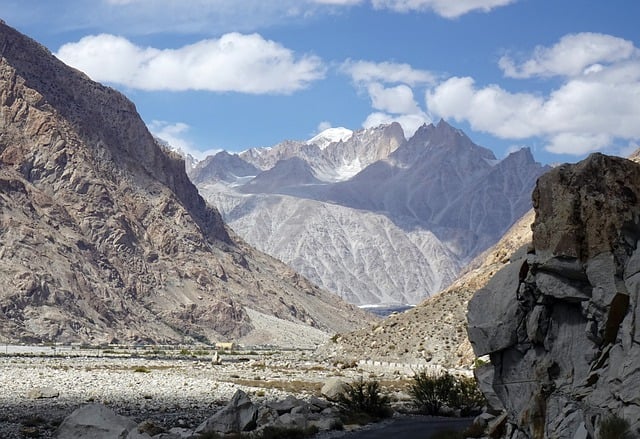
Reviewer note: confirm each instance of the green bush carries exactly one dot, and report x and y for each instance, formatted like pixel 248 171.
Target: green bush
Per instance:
pixel 614 427
pixel 431 392
pixel 364 402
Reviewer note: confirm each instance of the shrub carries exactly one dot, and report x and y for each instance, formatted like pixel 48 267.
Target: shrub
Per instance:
pixel 363 401
pixel 614 427
pixel 431 392
pixel 141 369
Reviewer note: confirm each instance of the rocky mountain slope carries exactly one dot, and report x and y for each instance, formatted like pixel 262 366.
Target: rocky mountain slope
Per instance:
pixel 395 231
pixel 363 255
pixel 560 322
pixel 104 238
pixel 433 332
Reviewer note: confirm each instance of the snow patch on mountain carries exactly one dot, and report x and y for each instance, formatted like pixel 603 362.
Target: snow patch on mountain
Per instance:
pixel 331 135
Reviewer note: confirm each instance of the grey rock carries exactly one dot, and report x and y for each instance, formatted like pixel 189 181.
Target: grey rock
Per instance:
pixel 96 421
pixel 333 388
pixel 285 405
pixel 240 414
pixel 297 420
pixel 42 393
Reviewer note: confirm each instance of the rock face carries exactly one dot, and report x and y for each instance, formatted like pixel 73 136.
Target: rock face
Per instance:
pixel 375 218
pixel 103 237
pixel 560 323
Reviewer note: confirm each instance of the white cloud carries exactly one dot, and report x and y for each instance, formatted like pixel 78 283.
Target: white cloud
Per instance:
pixel 409 122
pixel 175 134
pixel 573 55
pixel 596 107
pixel 398 99
pixel 579 117
pixel 578 143
pixel 322 126
pixel 445 8
pixel 233 62
pixel 390 86
pixel 387 72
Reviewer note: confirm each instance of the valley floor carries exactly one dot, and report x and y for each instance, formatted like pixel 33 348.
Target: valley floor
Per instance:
pixel 41 386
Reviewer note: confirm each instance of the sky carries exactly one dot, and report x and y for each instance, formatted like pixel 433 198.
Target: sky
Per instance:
pixel 561 77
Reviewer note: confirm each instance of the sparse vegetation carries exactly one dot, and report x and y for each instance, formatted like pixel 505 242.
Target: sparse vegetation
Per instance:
pixel 614 427
pixel 432 392
pixel 363 402
pixel 142 369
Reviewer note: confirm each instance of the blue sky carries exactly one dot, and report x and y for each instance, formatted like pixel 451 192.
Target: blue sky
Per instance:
pixel 559 76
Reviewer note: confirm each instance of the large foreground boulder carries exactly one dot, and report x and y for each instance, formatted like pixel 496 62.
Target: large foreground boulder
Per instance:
pixel 561 323
pixel 240 414
pixel 96 421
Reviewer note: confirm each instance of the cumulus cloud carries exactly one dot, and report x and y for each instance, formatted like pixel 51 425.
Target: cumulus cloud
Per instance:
pixel 445 8
pixel 388 72
pixel 579 117
pixel 398 99
pixel 234 62
pixel 390 86
pixel 596 107
pixel 573 55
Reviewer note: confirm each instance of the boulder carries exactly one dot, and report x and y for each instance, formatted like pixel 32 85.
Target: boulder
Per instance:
pixel 96 421
pixel 333 388
pixel 240 414
pixel 286 405
pixel 42 393
pixel 560 324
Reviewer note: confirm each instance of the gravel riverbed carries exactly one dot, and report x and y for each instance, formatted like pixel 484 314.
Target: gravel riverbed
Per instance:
pixel 39 391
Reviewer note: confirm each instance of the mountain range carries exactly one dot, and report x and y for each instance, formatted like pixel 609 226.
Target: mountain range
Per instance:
pixel 374 217
pixel 104 239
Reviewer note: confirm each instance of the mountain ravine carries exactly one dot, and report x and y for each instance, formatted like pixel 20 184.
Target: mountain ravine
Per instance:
pixel 103 238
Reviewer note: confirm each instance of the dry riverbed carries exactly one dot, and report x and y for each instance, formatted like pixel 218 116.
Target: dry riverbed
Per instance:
pixel 171 388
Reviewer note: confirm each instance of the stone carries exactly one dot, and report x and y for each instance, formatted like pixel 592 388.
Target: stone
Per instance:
pixel 285 405
pixel 333 388
pixel 240 414
pixel 42 393
pixel 297 420
pixel 96 421
pixel 216 359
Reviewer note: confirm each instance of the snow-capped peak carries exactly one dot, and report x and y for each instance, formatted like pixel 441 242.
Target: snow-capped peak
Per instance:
pixel 331 135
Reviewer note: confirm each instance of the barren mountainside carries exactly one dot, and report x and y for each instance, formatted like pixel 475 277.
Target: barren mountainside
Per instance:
pixel 434 332
pixel 102 235
pixel 395 229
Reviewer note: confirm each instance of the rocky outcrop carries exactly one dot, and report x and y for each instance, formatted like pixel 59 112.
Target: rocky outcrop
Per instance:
pixel 103 238
pixel 560 322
